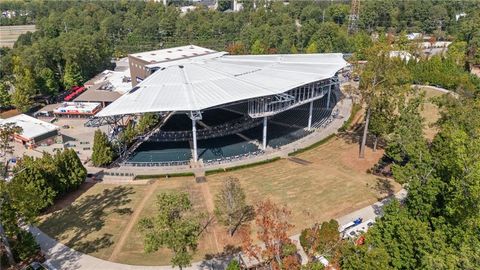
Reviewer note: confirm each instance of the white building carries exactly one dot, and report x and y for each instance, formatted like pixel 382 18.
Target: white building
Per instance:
pixel 34 130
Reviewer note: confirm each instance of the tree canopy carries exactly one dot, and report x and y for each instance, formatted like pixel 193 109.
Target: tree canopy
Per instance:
pixel 175 226
pixel 76 40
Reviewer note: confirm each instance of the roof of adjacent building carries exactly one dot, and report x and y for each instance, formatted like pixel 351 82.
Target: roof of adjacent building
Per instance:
pixel 77 107
pixel 31 127
pixel 199 83
pixel 165 55
pixel 94 94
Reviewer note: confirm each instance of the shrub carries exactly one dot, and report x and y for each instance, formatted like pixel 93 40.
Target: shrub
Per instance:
pixel 25 247
pixel 305 235
pixel 289 249
pixel 233 265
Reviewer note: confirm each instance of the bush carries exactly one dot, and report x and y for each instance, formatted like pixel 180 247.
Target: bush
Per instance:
pixel 289 250
pixel 304 236
pixel 233 265
pixel 152 176
pixel 25 246
pixel 241 166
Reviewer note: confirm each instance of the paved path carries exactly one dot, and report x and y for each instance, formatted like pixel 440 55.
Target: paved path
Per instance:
pixel 62 257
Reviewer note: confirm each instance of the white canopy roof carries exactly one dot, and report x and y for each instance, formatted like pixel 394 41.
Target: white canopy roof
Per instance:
pixel 200 83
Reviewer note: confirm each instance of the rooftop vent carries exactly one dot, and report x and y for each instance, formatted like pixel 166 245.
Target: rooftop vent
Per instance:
pixel 152 54
pixel 169 51
pixel 180 66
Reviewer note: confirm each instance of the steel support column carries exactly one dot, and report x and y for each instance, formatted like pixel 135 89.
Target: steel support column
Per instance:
pixel 264 144
pixel 310 116
pixel 194 139
pixel 328 96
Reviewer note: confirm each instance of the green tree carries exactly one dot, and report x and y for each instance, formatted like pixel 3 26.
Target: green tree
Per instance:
pixel 128 134
pixel 258 47
pixel 231 208
pixel 312 47
pixel 73 75
pixel 6 134
pixel 50 83
pixel 25 246
pixel 383 81
pixel 147 121
pixel 175 226
pixel 103 152
pixel 5 99
pixel 321 239
pixel 338 13
pixel 24 85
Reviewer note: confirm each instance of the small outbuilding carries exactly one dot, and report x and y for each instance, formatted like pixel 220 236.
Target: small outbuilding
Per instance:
pixel 77 109
pixel 34 131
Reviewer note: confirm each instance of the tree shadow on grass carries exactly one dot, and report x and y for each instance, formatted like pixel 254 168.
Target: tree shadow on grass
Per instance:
pixel 384 187
pixel 68 199
pixel 86 216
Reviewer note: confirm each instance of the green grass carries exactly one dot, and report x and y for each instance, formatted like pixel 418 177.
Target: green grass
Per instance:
pixel 346 125
pixel 315 145
pixel 211 172
pixel 93 223
pixel 168 175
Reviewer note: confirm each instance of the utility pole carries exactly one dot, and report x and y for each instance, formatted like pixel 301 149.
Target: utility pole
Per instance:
pixel 353 17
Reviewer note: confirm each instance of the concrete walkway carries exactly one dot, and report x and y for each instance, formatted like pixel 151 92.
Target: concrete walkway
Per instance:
pixel 60 256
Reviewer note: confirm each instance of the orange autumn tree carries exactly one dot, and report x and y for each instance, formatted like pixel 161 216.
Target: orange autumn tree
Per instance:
pixel 277 249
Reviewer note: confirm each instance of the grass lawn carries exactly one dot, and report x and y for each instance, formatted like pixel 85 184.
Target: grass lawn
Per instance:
pixel 132 252
pixel 94 221
pixel 333 184
pixel 328 182
pixel 430 112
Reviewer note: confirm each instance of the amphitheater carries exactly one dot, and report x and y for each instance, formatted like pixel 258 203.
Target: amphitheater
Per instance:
pixel 219 110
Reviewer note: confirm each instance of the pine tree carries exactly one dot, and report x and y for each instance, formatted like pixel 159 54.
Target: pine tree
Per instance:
pixel 103 153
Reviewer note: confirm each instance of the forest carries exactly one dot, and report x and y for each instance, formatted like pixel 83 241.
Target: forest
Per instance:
pixel 77 39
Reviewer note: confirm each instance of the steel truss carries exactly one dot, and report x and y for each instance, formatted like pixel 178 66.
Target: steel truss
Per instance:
pixel 271 105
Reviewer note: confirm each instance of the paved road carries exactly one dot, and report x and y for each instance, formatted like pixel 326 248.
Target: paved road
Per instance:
pixel 60 256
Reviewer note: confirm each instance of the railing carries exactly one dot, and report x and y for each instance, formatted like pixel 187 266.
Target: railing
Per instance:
pixel 228 128
pixel 139 140
pixel 271 105
pixel 233 158
pixel 157 164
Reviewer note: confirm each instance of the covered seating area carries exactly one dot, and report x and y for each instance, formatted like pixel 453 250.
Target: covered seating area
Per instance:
pixel 230 106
